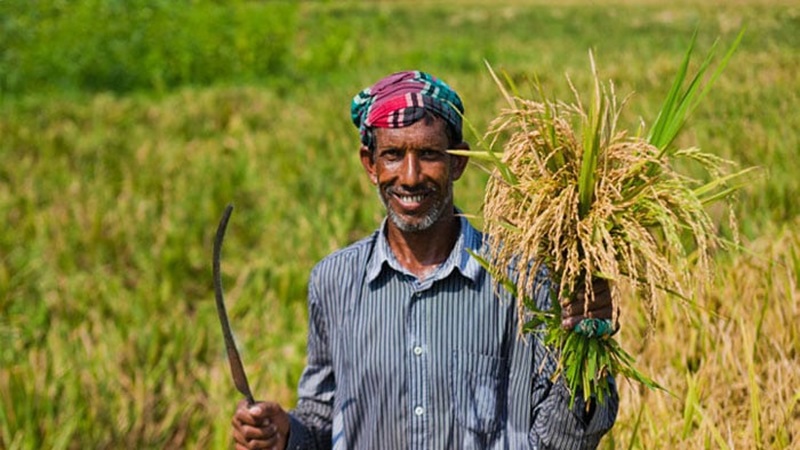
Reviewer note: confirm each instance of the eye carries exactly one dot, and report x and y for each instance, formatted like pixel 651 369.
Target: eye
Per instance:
pixel 391 154
pixel 431 155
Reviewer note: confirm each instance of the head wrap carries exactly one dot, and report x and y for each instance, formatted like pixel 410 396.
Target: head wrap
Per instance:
pixel 401 99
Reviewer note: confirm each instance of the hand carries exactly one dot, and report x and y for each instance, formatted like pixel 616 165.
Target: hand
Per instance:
pixel 600 307
pixel 264 425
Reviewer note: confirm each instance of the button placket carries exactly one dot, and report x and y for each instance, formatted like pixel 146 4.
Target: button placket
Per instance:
pixel 418 377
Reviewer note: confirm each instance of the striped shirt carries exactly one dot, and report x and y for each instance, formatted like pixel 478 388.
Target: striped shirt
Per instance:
pixel 395 362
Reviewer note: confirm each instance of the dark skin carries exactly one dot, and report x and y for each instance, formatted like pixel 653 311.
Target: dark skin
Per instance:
pixel 414 174
pixel 264 425
pixel 599 308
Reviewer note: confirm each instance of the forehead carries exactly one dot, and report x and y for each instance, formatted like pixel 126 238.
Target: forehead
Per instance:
pixel 422 133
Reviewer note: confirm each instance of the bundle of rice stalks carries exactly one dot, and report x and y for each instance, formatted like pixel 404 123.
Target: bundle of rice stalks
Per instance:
pixel 573 193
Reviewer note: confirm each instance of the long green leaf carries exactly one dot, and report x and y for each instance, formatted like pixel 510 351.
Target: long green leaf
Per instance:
pixel 591 147
pixel 482 155
pixel 703 193
pixel 677 107
pixel 665 115
pixel 509 98
pixel 720 67
pixel 488 155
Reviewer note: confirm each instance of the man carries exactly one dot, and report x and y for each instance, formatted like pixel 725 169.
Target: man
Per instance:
pixel 410 344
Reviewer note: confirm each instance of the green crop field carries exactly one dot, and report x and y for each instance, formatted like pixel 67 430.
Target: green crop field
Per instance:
pixel 126 127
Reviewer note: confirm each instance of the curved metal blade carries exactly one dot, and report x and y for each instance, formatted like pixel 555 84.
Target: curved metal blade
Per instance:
pixel 237 370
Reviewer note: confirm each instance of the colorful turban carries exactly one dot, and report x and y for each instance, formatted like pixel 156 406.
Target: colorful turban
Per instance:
pixel 401 99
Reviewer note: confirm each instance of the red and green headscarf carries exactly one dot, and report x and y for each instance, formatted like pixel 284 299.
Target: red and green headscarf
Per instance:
pixel 401 99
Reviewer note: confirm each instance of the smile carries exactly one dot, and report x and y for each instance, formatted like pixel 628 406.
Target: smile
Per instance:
pixel 410 199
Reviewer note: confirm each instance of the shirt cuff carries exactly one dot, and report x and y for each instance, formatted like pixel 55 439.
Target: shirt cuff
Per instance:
pixel 600 417
pixel 557 426
pixel 300 437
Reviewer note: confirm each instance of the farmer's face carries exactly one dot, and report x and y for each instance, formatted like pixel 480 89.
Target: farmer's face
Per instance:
pixel 414 173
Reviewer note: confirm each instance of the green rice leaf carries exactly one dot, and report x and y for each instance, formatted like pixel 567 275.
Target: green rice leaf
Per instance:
pixel 657 135
pixel 678 106
pixel 722 65
pixel 486 155
pixel 706 192
pixel 591 147
pixel 482 155
pixel 509 98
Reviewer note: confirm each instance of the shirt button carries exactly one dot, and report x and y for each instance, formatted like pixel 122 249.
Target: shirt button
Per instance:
pixel 419 410
pixel 418 350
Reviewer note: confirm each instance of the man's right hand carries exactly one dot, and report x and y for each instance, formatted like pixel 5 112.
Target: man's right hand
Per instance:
pixel 264 425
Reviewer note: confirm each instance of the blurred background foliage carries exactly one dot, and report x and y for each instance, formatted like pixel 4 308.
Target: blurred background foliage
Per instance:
pixel 133 45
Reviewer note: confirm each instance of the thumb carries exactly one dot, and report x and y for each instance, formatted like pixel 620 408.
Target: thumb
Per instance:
pixel 256 410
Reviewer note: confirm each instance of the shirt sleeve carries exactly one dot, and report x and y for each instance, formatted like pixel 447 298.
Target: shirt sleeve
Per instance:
pixel 554 425
pixel 311 420
pixel 557 426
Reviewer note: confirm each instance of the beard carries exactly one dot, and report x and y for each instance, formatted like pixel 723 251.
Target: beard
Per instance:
pixel 431 216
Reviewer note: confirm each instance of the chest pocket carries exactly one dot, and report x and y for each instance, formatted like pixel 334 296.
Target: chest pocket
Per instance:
pixel 479 388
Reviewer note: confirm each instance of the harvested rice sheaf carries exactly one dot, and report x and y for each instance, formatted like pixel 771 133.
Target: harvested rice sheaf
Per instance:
pixel 573 193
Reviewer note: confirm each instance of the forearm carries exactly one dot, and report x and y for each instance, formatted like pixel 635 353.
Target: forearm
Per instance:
pixel 554 425
pixel 311 420
pixel 557 426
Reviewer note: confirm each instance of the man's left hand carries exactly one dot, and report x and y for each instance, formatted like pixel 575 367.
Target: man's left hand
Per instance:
pixel 583 307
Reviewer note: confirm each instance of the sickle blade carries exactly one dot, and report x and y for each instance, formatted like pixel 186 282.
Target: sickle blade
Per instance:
pixel 237 369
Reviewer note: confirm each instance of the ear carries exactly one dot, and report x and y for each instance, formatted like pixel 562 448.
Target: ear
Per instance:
pixel 458 163
pixel 368 161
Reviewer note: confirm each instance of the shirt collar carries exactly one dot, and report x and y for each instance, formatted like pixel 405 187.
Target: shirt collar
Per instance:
pixel 459 259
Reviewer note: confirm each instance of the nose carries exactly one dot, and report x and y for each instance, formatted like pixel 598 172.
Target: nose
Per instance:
pixel 411 172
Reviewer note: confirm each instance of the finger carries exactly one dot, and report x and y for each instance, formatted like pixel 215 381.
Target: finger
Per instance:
pixel 262 443
pixel 569 323
pixel 242 415
pixel 599 302
pixel 577 308
pixel 570 317
pixel 250 415
pixel 238 434
pixel 239 438
pixel 600 285
pixel 601 312
pixel 571 309
pixel 246 433
pixel 241 441
pixel 249 437
pixel 266 431
pixel 256 445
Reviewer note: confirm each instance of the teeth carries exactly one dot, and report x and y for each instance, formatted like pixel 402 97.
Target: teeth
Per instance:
pixel 411 198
